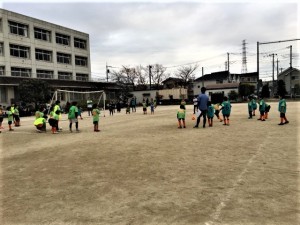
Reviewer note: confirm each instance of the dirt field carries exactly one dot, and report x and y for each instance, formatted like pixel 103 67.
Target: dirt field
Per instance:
pixel 142 170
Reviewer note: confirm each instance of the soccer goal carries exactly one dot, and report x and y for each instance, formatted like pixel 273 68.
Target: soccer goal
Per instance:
pixel 81 97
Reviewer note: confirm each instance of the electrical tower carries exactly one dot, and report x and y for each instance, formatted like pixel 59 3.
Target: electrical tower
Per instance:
pixel 244 60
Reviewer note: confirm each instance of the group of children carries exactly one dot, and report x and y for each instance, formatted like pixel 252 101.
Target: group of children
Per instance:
pixel 264 109
pixel 13 116
pixel 215 109
pixel 55 116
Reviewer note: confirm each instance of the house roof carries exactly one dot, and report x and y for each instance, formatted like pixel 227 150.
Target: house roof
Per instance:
pixel 172 79
pixel 222 86
pixel 287 71
pixel 222 75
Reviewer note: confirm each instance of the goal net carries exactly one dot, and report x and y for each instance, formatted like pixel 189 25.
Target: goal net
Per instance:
pixel 81 97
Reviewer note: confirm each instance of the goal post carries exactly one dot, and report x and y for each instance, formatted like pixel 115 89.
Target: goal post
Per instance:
pixel 98 97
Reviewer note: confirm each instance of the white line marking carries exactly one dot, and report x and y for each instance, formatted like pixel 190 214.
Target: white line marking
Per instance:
pixel 216 215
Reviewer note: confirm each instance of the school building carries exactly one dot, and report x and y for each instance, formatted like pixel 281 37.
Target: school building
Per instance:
pixel 35 49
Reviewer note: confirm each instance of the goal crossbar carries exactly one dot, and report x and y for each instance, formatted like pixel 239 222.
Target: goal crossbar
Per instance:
pixel 54 97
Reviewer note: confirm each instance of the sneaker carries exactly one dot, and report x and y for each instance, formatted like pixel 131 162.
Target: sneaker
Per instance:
pixel 224 124
pixel 77 130
pixel 195 126
pixel 71 131
pixel 184 127
pixel 281 124
pixel 263 120
pixel 286 122
pixel 259 119
pixel 11 129
pixel 39 131
pixel 179 127
pixel 249 117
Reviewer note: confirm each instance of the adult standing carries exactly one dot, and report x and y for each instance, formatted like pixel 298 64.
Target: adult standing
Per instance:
pixel 202 105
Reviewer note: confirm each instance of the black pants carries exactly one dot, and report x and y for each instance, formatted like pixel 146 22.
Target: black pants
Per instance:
pixel 203 113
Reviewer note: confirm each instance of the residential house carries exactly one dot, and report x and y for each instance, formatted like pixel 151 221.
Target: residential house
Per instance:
pixel 291 78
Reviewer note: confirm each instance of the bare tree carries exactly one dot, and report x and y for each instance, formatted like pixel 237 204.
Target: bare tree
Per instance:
pixel 186 73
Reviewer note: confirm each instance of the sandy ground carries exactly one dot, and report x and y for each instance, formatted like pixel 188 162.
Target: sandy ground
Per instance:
pixel 140 169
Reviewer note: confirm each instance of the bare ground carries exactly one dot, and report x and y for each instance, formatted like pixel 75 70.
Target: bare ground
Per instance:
pixel 140 169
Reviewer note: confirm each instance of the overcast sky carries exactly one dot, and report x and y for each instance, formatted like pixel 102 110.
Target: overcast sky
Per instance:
pixel 173 33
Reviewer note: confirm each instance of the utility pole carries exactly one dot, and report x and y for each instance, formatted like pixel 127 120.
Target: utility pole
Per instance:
pixel 228 62
pixel 273 66
pixel 291 70
pixel 291 55
pixel 257 64
pixel 107 71
pixel 277 68
pixel 150 67
pixel 202 76
pixel 244 59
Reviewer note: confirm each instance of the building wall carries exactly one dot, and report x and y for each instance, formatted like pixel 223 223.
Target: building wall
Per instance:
pixel 198 85
pixel 7 38
pixel 290 80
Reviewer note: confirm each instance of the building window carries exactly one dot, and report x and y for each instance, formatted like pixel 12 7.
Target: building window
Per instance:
pixel 82 77
pixel 64 76
pixel 42 34
pixel 2 70
pixel 43 55
pixel 80 61
pixel 18 28
pixel 19 51
pixel 63 58
pixel 1 49
pixel 46 74
pixel 0 24
pixel 79 43
pixel 20 72
pixel 62 39
pixel 219 81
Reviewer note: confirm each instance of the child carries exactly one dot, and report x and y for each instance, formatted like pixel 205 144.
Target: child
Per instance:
pixel 53 120
pixel 72 116
pixel 183 102
pixel 57 111
pixel 144 107
pixel 282 110
pixel 17 116
pixel 226 109
pixel 217 111
pixel 10 117
pixel 40 124
pixel 128 108
pixel 268 107
pixel 250 107
pixel 210 113
pixel 181 116
pixel 152 107
pixel 262 109
pixel 40 121
pixel 1 116
pixel 79 113
pixel 95 113
pixel 254 106
pixel 111 109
